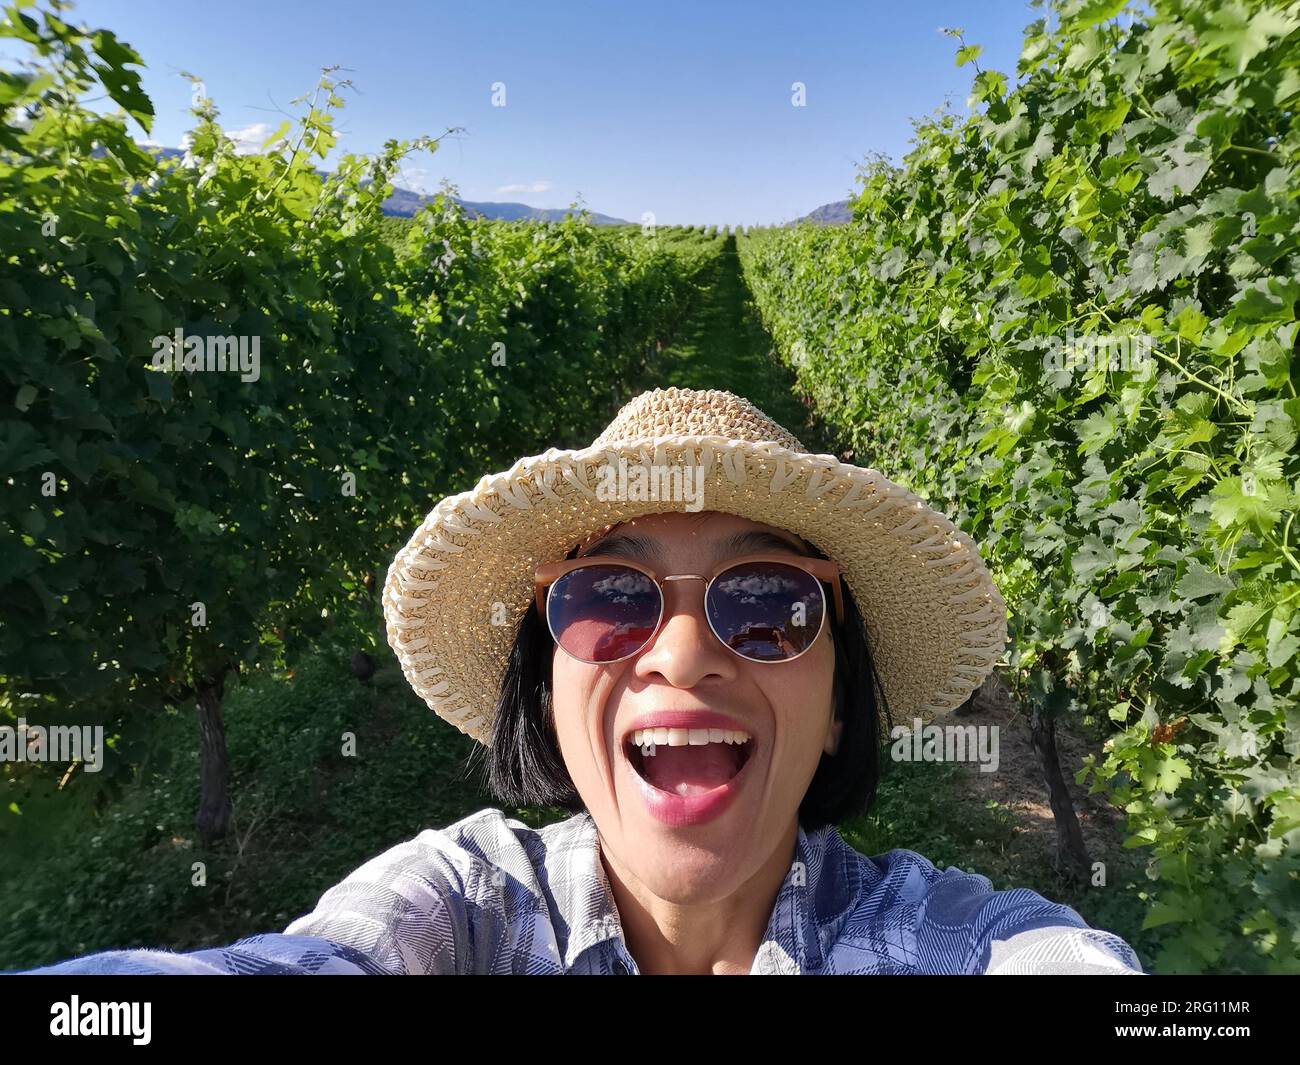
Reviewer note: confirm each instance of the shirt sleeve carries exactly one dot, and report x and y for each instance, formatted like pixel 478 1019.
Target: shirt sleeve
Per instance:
pixel 405 910
pixel 401 913
pixel 270 954
pixel 1017 932
pixel 1062 951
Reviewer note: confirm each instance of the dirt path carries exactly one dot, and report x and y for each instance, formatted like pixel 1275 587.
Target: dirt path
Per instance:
pixel 1018 783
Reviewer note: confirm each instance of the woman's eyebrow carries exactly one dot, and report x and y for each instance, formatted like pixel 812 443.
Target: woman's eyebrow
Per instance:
pixel 638 547
pixel 743 543
pixel 754 541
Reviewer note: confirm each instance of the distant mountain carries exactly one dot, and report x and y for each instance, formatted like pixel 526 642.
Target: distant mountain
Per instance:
pixel 403 203
pixel 513 212
pixel 830 214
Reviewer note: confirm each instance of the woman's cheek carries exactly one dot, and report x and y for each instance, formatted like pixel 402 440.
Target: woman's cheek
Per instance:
pixel 580 727
pixel 801 699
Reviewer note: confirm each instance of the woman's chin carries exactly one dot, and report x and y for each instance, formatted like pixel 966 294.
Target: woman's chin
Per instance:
pixel 683 874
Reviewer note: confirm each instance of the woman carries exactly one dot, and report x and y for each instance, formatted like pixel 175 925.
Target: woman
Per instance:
pixel 643 633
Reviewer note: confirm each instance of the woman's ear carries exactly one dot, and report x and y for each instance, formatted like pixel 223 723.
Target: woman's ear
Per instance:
pixel 833 737
pixel 832 743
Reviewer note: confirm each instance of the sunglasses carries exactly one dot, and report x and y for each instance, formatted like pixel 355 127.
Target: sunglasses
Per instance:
pixel 764 608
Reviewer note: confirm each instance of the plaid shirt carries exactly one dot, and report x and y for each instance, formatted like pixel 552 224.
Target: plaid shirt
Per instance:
pixel 491 895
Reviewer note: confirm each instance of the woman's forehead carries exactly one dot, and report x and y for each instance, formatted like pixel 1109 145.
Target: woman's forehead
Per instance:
pixel 711 531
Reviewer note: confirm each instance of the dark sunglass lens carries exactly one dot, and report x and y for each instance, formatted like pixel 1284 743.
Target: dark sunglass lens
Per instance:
pixel 766 611
pixel 602 613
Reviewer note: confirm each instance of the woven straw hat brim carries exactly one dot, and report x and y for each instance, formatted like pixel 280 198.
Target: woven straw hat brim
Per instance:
pixel 456 592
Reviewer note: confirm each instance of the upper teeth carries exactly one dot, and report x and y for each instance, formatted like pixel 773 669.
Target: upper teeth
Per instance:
pixel 681 737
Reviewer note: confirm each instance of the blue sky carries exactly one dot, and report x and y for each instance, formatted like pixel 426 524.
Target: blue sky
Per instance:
pixel 682 109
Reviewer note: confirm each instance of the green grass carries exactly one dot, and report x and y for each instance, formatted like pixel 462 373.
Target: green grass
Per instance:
pixel 724 345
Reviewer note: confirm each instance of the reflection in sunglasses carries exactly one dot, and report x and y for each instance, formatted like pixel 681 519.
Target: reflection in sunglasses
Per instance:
pixel 763 611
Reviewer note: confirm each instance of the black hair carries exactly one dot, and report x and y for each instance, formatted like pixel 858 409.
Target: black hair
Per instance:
pixel 525 767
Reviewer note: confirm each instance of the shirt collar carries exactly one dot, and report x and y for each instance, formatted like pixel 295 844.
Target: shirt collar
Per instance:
pixel 816 896
pixel 593 917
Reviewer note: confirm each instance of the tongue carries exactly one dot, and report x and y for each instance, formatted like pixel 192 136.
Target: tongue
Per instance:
pixel 692 768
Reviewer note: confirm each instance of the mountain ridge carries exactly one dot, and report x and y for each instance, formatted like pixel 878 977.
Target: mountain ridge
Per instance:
pixel 405 203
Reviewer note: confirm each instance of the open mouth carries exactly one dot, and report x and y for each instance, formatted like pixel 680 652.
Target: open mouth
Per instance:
pixel 687 761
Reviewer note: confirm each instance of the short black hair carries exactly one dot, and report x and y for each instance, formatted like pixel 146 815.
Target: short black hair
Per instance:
pixel 525 767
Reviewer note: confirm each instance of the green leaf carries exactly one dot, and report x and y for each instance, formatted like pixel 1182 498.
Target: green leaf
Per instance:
pixel 1091 13
pixel 1198 582
pixel 159 384
pixel 1190 323
pixel 1096 430
pixel 1233 507
pixel 1165 912
pixel 1242 619
pixel 1092 557
pixel 123 85
pixel 1243 34
pixel 25 395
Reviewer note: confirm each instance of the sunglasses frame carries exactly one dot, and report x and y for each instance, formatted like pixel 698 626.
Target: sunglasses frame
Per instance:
pixel 824 570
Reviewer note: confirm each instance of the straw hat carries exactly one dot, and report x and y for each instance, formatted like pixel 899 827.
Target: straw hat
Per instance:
pixel 456 592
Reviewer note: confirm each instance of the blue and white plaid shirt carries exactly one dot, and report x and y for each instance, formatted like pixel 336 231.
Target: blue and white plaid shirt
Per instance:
pixel 491 895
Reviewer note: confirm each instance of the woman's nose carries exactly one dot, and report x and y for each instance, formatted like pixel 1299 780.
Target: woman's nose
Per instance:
pixel 685 651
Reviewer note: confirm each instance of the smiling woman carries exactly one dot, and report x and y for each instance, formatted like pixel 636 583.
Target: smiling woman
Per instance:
pixel 707 694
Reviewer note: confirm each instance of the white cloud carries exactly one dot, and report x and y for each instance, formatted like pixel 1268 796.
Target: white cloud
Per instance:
pixel 417 179
pixel 249 140
pixel 524 189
